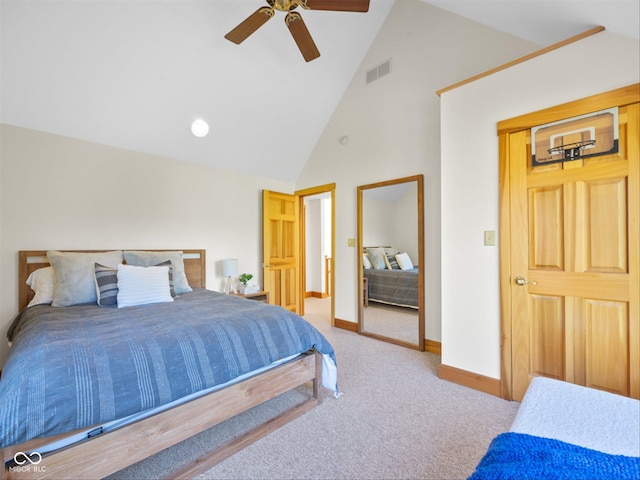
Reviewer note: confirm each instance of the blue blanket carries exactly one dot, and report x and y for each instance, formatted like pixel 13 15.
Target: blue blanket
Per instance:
pixel 520 456
pixel 74 367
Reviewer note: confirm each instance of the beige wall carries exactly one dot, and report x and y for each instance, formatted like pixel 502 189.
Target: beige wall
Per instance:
pixel 57 192
pixel 393 126
pixel 471 328
pixel 392 222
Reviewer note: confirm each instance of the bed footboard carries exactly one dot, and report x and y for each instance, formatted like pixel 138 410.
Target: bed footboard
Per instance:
pixel 110 452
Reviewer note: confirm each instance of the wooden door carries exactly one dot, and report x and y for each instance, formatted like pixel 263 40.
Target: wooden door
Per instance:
pixel 573 237
pixel 281 249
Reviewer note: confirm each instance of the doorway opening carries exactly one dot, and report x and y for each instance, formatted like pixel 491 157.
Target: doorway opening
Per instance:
pixel 317 244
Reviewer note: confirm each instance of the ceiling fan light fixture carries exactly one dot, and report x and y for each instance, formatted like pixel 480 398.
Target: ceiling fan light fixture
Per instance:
pixel 199 128
pixel 294 20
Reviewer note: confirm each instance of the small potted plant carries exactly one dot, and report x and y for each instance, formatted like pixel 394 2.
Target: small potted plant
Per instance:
pixel 245 287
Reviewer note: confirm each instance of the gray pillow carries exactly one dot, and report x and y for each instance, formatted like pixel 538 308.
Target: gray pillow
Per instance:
pixel 75 277
pixel 377 256
pixel 150 259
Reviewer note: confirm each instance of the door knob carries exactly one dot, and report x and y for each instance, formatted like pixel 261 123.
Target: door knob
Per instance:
pixel 524 281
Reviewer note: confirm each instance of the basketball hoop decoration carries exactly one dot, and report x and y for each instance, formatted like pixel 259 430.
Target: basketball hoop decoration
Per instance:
pixel 575 138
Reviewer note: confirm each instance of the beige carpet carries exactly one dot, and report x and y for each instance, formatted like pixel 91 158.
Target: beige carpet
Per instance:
pixel 396 420
pixel 400 323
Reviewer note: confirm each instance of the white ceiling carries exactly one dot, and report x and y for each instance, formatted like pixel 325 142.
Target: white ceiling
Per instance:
pixel 546 22
pixel 134 74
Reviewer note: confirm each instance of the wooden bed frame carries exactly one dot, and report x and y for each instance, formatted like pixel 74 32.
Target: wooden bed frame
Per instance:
pixel 110 452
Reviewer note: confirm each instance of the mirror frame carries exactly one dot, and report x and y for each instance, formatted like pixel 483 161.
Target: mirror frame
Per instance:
pixel 419 179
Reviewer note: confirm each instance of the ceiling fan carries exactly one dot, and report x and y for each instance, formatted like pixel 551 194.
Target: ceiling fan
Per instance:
pixel 294 20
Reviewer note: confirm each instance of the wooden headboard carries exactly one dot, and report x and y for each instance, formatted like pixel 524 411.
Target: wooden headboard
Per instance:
pixel 364 249
pixel 30 260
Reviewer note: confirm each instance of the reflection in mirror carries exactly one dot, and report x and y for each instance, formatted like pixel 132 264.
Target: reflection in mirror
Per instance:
pixel 391 261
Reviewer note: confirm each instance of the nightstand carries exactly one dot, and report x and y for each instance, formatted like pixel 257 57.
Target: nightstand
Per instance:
pixel 258 296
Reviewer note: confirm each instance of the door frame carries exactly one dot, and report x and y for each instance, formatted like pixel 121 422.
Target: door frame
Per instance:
pixel 301 194
pixel 619 97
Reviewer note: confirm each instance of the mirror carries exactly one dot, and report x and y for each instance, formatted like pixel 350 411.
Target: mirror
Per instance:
pixel 391 261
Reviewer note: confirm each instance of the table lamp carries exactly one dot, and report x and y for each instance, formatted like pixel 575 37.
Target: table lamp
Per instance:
pixel 229 269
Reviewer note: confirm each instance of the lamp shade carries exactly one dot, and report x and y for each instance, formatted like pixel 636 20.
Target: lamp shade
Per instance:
pixel 230 267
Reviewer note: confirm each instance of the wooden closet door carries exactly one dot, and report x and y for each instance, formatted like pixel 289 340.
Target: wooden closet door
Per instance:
pixel 574 241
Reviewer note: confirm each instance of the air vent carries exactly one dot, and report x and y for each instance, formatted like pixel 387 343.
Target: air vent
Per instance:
pixel 380 71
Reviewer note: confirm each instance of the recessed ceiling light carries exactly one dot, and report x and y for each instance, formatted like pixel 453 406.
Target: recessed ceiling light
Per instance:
pixel 200 128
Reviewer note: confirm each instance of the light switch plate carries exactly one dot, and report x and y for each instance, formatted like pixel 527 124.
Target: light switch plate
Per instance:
pixel 490 237
pixel 351 242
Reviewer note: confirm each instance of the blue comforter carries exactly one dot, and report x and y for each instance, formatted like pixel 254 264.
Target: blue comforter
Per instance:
pixel 519 456
pixel 79 366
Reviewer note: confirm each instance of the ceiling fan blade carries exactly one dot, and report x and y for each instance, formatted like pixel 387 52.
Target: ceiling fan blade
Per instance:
pixel 338 5
pixel 302 36
pixel 252 23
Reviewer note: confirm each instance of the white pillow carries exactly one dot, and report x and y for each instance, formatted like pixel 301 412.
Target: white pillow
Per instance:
pixel 366 263
pixel 42 282
pixel 147 259
pixel 404 262
pixel 143 285
pixel 74 273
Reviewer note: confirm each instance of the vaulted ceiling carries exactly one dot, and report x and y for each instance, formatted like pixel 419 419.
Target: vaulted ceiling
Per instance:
pixel 135 74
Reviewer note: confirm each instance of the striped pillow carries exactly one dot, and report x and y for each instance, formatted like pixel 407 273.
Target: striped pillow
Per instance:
pixel 392 263
pixel 106 285
pixel 170 266
pixel 142 285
